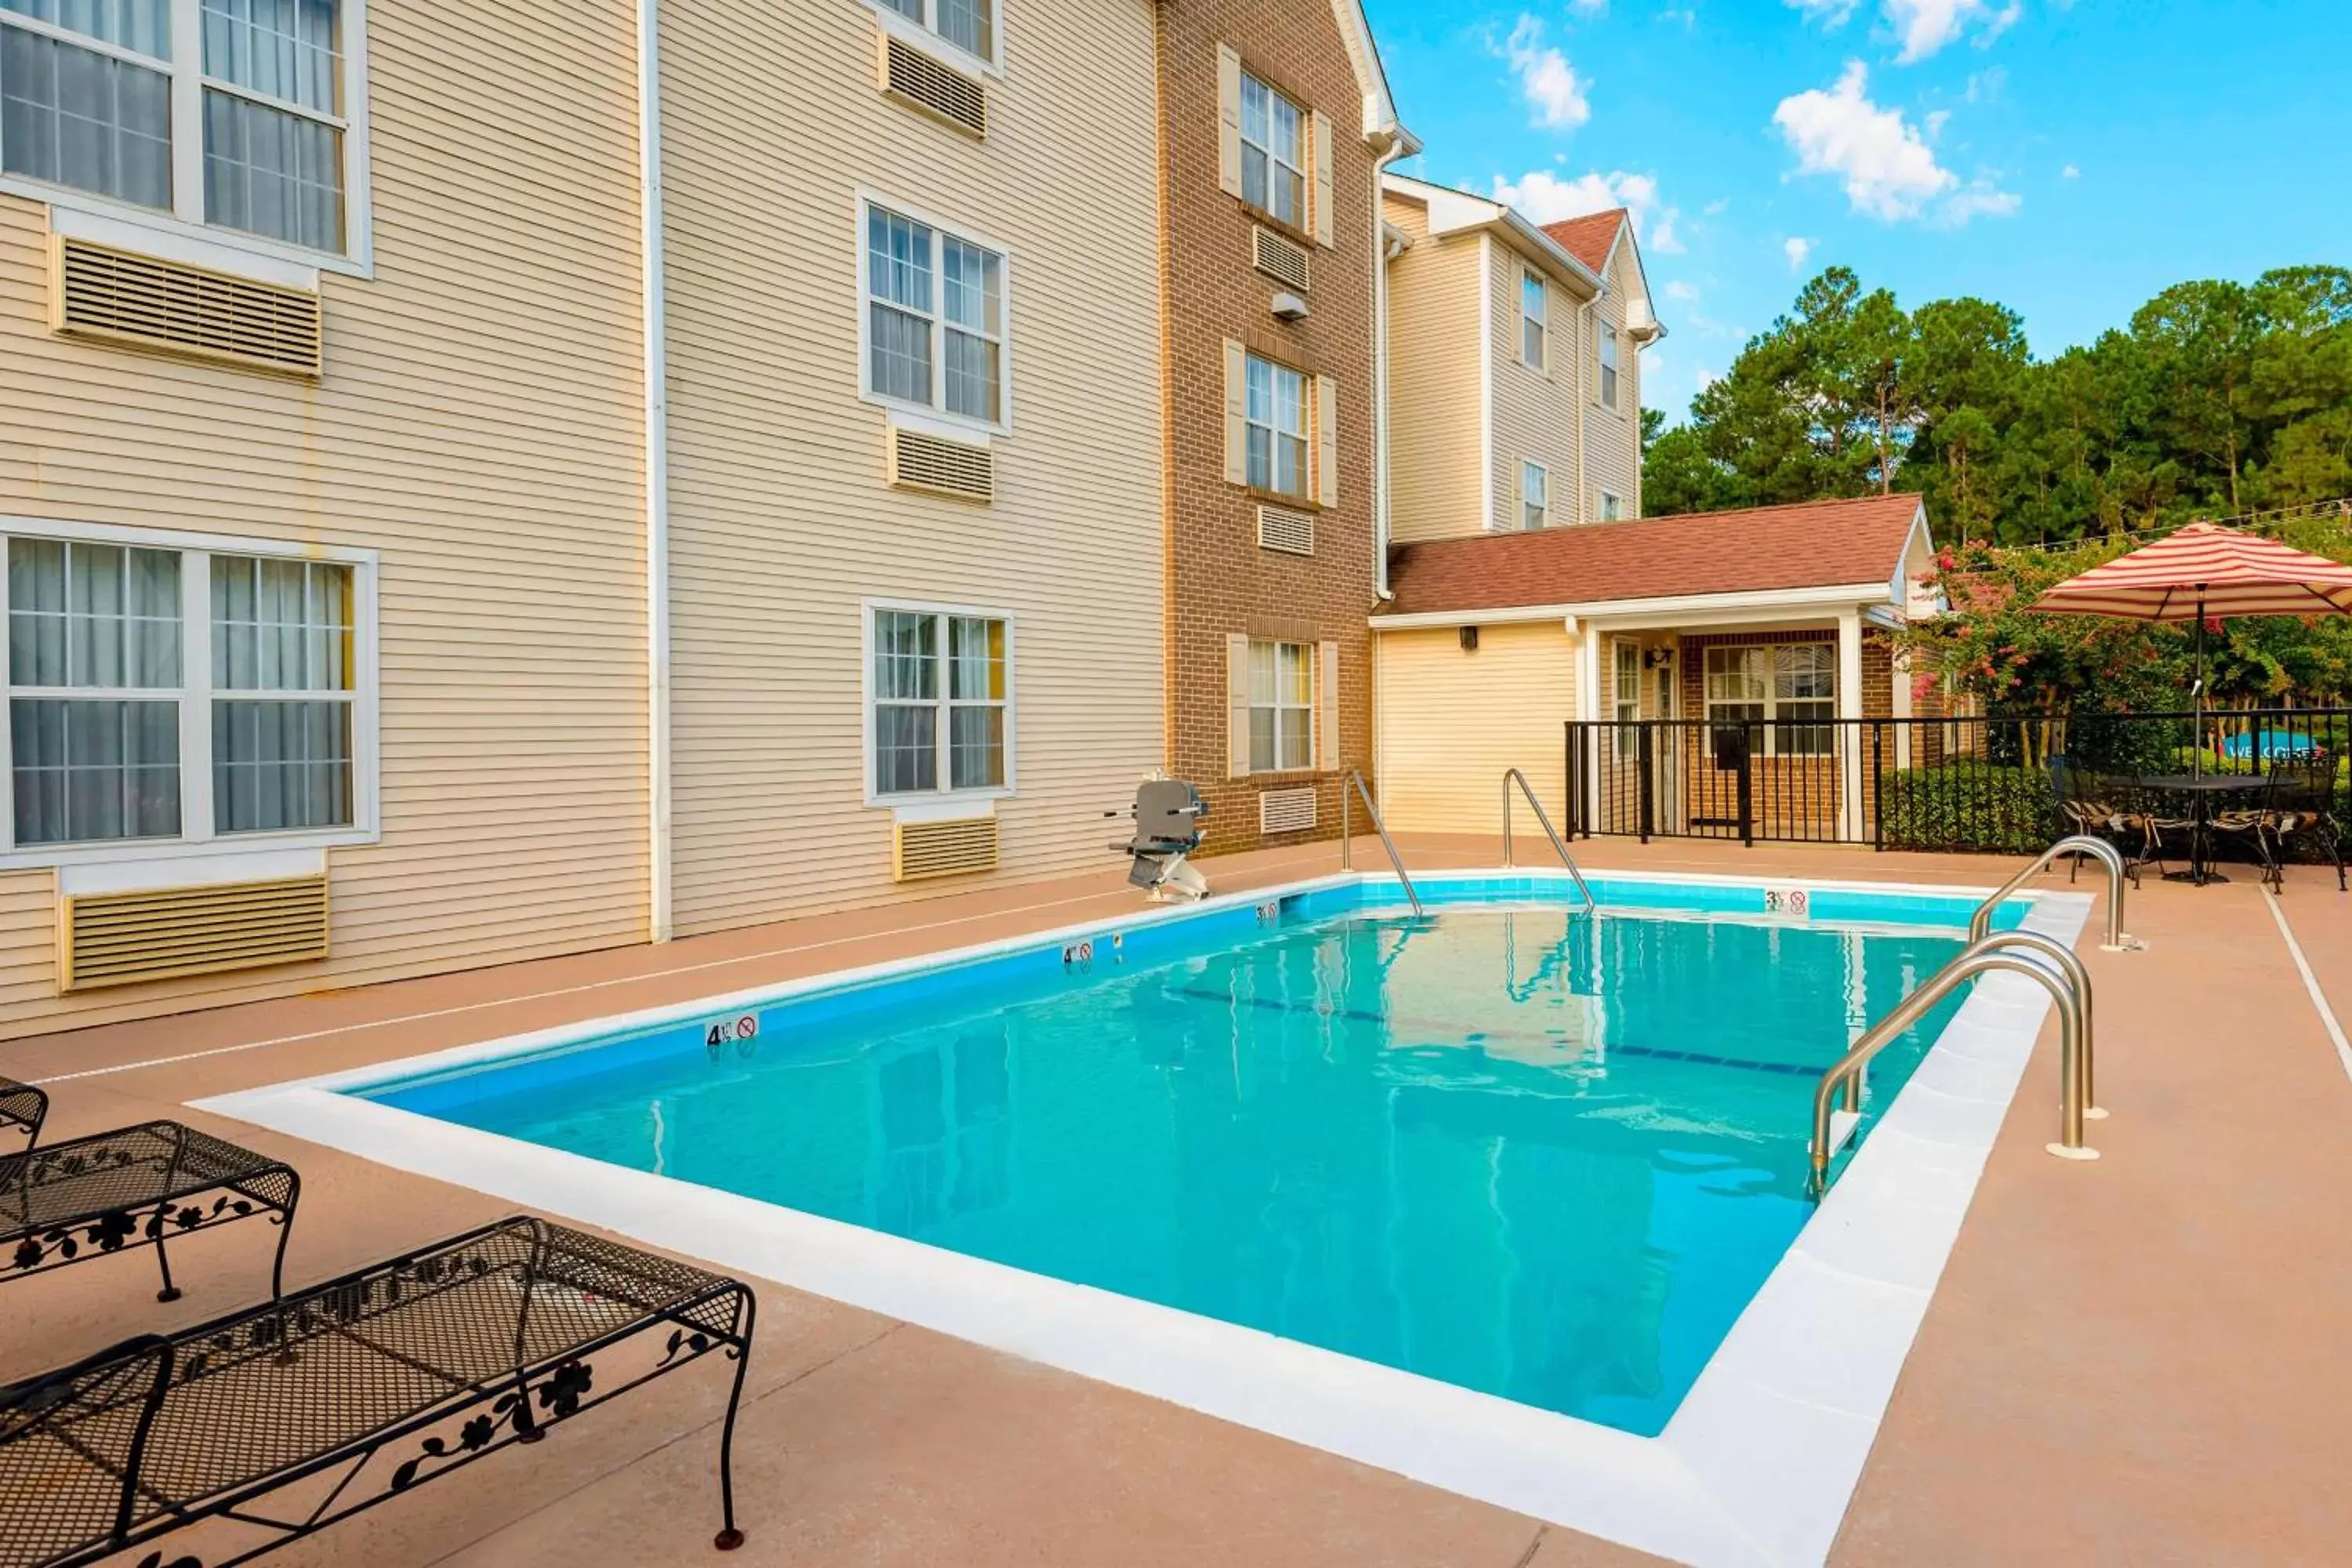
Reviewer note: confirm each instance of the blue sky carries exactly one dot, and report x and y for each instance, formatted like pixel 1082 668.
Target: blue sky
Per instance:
pixel 2067 158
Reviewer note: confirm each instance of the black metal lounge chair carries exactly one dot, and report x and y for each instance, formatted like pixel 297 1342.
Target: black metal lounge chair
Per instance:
pixel 2302 806
pixel 22 1105
pixel 364 1388
pixel 135 1187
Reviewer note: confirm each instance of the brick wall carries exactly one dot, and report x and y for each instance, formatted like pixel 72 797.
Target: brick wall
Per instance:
pixel 1219 580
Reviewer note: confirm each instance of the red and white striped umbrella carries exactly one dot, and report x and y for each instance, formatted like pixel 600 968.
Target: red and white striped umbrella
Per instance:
pixel 2206 571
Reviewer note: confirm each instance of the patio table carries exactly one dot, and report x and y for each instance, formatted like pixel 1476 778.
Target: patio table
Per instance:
pixel 2201 789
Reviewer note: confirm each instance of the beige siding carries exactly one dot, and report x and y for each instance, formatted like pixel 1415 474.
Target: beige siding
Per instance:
pixel 781 520
pixel 478 425
pixel 1451 723
pixel 1612 438
pixel 1534 410
pixel 1435 400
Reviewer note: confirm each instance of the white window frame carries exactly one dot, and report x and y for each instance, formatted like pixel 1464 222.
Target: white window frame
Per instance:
pixel 195 694
pixel 1278 707
pixel 1307 437
pixel 1303 221
pixel 186 236
pixel 924 34
pixel 1611 509
pixel 1529 469
pixel 1771 698
pixel 1625 696
pixel 1540 320
pixel 916 800
pixel 934 413
pixel 1608 384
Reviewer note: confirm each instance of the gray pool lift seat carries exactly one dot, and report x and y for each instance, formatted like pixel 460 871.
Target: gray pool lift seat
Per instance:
pixel 1168 815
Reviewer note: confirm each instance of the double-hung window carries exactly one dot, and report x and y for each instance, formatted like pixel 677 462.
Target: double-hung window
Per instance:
pixel 941 689
pixel 1608 364
pixel 1627 699
pixel 1535 495
pixel 234 114
pixel 968 25
pixel 1274 153
pixel 1282 706
pixel 934 319
pixel 1275 419
pixel 175 694
pixel 1533 319
pixel 1790 689
pixel 1613 507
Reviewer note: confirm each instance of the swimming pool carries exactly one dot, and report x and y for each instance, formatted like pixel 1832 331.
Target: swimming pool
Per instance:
pixel 1547 1160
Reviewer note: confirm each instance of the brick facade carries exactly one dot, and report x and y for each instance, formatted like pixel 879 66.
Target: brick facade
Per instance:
pixel 1220 582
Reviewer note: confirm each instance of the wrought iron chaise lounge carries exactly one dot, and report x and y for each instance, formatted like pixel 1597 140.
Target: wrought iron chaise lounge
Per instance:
pixel 271 1423
pixel 24 1107
pixel 133 1187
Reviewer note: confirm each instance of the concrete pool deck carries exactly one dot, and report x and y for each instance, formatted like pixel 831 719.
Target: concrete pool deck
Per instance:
pixel 2139 1360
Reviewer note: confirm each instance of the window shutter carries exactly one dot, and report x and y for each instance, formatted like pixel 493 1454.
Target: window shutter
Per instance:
pixel 1327 440
pixel 1236 414
pixel 1237 705
pixel 1322 198
pixel 1328 694
pixel 1229 120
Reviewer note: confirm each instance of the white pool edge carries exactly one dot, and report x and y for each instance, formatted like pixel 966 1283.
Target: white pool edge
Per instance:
pixel 1756 1466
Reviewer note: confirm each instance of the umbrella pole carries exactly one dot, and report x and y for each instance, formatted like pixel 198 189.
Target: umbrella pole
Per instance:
pixel 2197 725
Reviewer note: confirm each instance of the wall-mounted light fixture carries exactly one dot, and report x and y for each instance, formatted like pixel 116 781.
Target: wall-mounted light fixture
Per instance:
pixel 1469 640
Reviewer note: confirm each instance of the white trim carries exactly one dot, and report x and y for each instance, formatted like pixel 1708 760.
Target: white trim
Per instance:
pixel 214 867
pixel 183 233
pixel 963 427
pixel 960 801
pixel 938 44
pixel 654 317
pixel 1521 521
pixel 1603 495
pixel 1452 212
pixel 2327 1019
pixel 1756 1467
pixel 1761 605
pixel 1486 376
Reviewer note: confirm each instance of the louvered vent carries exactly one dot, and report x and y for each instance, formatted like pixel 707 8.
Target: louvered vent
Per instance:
pixel 922 461
pixel 927 850
pixel 1279 259
pixel 1292 532
pixel 117 297
pixel 933 87
pixel 1285 811
pixel 121 939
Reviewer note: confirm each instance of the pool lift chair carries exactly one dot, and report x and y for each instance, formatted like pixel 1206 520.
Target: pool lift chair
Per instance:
pixel 1168 813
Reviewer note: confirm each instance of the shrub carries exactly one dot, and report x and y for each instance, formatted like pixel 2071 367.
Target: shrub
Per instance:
pixel 1968 806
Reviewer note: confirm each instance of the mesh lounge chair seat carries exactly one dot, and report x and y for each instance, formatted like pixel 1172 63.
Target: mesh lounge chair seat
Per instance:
pixel 136 1186
pixel 2302 806
pixel 24 1108
pixel 376 1381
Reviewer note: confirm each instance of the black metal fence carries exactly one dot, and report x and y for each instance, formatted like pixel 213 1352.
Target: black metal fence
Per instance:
pixel 1985 785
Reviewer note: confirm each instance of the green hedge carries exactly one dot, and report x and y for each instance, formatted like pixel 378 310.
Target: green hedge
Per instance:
pixel 1969 807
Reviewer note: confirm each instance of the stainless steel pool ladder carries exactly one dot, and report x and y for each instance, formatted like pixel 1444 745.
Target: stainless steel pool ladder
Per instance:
pixel 1354 783
pixel 1516 777
pixel 2050 964
pixel 2098 849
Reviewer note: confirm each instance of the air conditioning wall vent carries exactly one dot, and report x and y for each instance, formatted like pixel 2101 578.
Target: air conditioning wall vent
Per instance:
pixel 1291 532
pixel 933 86
pixel 167 933
pixel 138 302
pixel 922 461
pixel 958 848
pixel 1285 811
pixel 1279 259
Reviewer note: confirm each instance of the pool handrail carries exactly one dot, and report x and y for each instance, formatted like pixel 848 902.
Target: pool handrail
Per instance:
pixel 1355 781
pixel 2078 976
pixel 1513 776
pixel 1990 955
pixel 2098 849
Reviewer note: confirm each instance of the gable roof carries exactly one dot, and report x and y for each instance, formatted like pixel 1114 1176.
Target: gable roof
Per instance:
pixel 1810 544
pixel 1452 212
pixel 1591 237
pixel 1371 78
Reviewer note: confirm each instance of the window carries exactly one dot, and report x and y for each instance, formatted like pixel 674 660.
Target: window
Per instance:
pixel 1535 495
pixel 1791 689
pixel 1282 706
pixel 1608 364
pixel 1533 316
pixel 1613 507
pixel 1275 419
pixel 99 95
pixel 968 25
pixel 1274 153
pixel 935 318
pixel 178 694
pixel 1628 699
pixel 941 685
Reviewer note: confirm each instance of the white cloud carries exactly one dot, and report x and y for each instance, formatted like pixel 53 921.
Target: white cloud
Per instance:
pixel 1924 26
pixel 2070 173
pixel 1799 250
pixel 1589 7
pixel 1887 170
pixel 1980 200
pixel 1663 237
pixel 1543 197
pixel 1554 92
pixel 1828 12
pixel 2000 24
pixel 1682 292
pixel 1986 86
pixel 1934 122
pixel 1716 207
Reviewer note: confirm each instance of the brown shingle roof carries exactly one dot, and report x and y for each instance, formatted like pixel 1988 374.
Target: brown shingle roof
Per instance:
pixel 1587 239
pixel 1811 544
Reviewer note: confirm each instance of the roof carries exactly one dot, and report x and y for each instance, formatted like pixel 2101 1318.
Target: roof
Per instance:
pixel 1452 211
pixel 1589 238
pixel 1372 77
pixel 1811 544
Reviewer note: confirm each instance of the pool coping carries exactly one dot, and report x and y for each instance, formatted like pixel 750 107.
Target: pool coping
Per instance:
pixel 1756 1464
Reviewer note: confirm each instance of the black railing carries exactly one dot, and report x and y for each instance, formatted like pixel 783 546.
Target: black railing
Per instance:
pixel 1985 785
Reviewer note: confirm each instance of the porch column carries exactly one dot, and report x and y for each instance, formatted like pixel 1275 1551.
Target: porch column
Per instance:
pixel 1588 707
pixel 1852 752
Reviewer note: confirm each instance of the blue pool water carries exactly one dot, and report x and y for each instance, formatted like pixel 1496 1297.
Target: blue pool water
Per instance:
pixel 1520 1149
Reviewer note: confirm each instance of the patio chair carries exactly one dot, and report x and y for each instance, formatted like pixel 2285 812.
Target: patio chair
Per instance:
pixel 2302 806
pixel 93 1197
pixel 351 1393
pixel 2098 806
pixel 23 1106
pixel 2161 813
pixel 2257 828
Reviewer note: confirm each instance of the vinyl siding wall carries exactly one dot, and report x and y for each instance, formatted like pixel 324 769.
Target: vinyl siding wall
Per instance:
pixel 1612 438
pixel 479 423
pixel 1534 410
pixel 780 518
pixel 1452 722
pixel 1435 399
